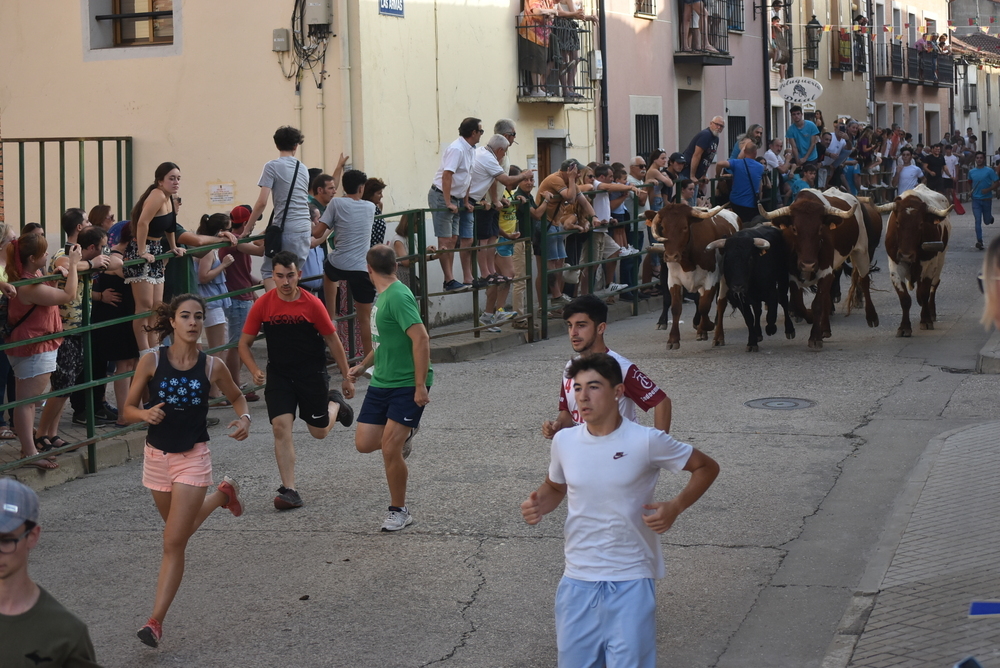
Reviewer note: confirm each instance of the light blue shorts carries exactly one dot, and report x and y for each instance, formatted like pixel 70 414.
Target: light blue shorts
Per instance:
pixel 506 249
pixel 609 624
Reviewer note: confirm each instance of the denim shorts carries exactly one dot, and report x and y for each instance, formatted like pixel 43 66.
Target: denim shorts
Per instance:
pixel 236 316
pixel 555 243
pixel 446 223
pixel 33 365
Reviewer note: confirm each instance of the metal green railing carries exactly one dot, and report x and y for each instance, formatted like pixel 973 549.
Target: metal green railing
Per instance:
pixel 94 175
pixel 418 258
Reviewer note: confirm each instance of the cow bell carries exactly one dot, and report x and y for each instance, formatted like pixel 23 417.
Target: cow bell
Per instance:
pixel 932 246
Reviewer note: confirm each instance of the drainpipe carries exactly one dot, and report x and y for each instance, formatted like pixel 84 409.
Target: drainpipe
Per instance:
pixel 764 42
pixel 321 108
pixel 346 91
pixel 298 107
pixel 605 139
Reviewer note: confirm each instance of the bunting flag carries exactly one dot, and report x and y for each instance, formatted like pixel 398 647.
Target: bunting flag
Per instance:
pixel 950 22
pixel 985 29
pixel 873 37
pixel 886 28
pixel 855 27
pixel 907 26
pixel 899 37
pixel 827 28
pixel 972 22
pixel 993 19
pixel 951 28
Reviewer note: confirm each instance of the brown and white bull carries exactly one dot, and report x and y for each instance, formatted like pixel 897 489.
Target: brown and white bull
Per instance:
pixel 916 238
pixel 822 229
pixel 686 233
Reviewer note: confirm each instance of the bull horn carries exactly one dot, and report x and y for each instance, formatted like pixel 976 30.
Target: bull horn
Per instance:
pixel 715 245
pixel 934 246
pixel 762 243
pixel 940 213
pixel 705 214
pixel 886 208
pixel 652 230
pixel 771 215
pixel 865 199
pixel 834 211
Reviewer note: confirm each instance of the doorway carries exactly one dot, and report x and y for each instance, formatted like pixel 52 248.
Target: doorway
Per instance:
pixel 551 155
pixel 689 121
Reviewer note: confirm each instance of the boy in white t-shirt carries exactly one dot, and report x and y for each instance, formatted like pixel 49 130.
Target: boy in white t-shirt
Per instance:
pixel 608 467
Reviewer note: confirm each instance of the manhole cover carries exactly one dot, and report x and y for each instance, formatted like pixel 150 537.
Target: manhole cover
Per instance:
pixel 780 404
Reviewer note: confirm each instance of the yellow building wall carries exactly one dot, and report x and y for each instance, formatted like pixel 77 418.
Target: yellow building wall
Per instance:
pixel 213 107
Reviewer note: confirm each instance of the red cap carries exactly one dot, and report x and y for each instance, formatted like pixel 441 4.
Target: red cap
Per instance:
pixel 240 215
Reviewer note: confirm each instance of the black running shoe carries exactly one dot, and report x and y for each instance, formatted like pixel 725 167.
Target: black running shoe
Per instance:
pixel 345 415
pixel 287 499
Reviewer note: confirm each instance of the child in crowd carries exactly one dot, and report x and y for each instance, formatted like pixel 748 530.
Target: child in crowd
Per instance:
pixel 212 282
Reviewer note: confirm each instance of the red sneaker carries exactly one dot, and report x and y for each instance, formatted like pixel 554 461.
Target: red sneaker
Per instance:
pixel 229 487
pixel 151 633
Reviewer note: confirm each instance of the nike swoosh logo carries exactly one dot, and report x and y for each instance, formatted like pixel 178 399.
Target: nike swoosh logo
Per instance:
pixel 316 417
pixel 618 455
pixel 407 419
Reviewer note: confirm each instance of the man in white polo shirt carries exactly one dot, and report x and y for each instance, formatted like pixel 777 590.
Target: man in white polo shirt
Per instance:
pixel 451 190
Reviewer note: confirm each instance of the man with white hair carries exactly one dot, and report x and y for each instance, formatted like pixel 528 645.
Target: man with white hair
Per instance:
pixel 700 153
pixel 486 175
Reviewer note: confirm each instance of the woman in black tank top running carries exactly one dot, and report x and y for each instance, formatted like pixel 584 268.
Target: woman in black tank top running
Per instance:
pixel 177 466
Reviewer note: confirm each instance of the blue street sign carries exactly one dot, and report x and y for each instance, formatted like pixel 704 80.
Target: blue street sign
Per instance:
pixel 391 7
pixel 984 609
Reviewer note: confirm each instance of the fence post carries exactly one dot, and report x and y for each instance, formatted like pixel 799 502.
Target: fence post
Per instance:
pixel 529 260
pixel 543 304
pixel 422 262
pixel 88 374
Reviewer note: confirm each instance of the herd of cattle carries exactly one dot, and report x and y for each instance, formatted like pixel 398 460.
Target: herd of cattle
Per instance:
pixel 772 259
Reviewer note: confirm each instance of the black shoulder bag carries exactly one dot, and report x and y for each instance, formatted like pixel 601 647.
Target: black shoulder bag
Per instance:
pixel 272 235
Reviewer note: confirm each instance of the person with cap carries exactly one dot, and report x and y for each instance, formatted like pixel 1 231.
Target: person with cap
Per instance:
pixel 239 276
pixel 700 153
pixel 35 629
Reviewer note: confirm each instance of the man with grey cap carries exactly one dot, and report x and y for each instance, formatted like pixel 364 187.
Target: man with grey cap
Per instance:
pixel 36 630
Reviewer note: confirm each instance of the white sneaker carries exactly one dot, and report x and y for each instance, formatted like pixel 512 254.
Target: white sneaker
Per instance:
pixel 503 316
pixel 616 287
pixel 629 250
pixel 396 520
pixel 488 319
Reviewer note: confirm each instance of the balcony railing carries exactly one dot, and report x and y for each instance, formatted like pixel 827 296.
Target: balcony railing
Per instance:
pixel 554 60
pixel 898 62
pixel 708 42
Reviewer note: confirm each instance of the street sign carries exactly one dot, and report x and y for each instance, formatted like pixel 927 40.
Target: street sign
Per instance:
pixel 391 7
pixel 799 90
pixel 984 609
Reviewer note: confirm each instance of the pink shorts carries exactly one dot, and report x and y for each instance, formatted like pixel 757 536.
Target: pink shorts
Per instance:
pixel 160 470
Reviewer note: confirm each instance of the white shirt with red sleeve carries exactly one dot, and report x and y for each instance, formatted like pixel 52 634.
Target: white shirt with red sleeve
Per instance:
pixel 639 391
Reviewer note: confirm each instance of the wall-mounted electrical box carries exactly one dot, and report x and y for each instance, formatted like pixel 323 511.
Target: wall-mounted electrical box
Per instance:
pixel 596 65
pixel 318 12
pixel 279 40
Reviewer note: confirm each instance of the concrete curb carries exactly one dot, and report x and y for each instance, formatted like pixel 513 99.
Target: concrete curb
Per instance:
pixel 852 624
pixel 989 355
pixel 112 452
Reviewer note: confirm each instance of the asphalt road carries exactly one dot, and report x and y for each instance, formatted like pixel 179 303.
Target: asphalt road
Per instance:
pixel 760 571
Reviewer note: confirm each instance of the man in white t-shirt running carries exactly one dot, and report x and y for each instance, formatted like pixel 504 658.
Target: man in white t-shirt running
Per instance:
pixel 587 319
pixel 606 602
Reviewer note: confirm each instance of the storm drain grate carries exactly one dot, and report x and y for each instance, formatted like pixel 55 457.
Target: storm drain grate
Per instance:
pixel 780 403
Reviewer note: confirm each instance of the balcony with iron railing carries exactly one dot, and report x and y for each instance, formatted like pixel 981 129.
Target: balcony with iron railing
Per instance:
pixel 554 60
pixel 707 41
pixel 900 63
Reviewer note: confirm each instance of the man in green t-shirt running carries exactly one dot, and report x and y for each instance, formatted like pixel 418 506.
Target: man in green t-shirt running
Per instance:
pixel 402 377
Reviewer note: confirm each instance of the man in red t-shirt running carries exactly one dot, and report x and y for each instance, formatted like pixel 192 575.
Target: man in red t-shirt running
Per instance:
pixel 587 318
pixel 296 326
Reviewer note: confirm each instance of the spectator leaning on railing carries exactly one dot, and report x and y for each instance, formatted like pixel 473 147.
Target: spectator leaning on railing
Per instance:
pixel 35 311
pixel 69 360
